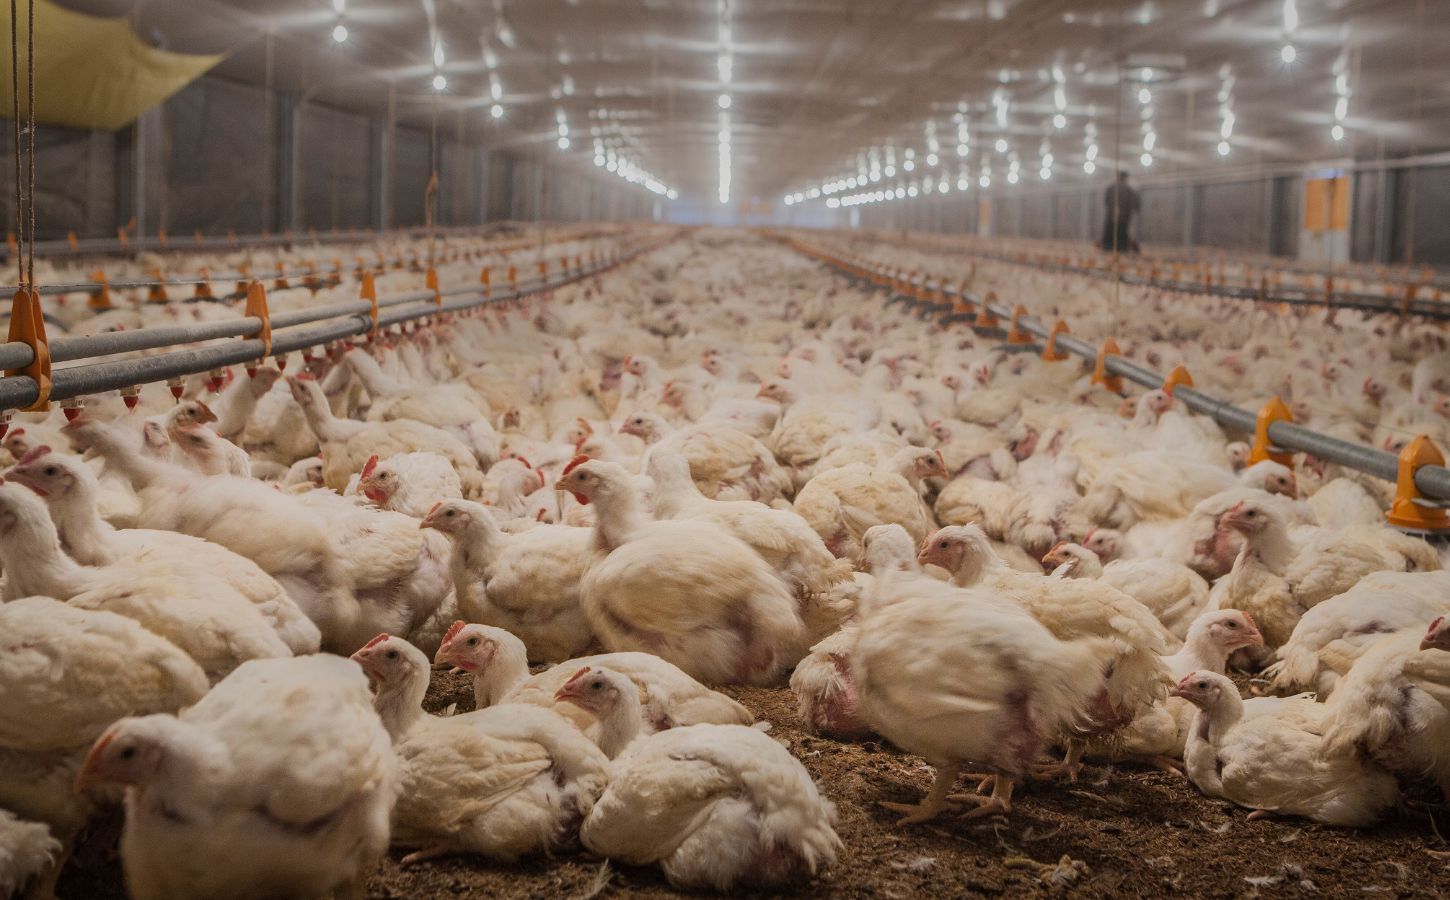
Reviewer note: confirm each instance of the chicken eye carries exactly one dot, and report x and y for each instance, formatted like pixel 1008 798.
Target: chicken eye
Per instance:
pixel 451 513
pixel 473 642
pixel 392 654
pixel 596 686
pixel 50 470
pixel 1232 624
pixel 128 753
pixel 943 545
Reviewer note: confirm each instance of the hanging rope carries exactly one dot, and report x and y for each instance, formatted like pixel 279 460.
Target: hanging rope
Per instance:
pixel 27 324
pixel 430 194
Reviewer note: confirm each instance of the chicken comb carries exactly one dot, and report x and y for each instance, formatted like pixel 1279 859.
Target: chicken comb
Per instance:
pixel 941 459
pixel 1255 625
pixel 576 676
pixel 1055 547
pixel 584 423
pixel 16 432
pixel 369 466
pixel 32 455
pixel 375 641
pixel 527 464
pixel 305 376
pixel 452 631
pixel 575 463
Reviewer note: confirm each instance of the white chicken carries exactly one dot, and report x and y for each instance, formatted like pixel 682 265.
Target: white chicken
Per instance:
pixel 70 490
pixel 526 583
pixel 717 611
pixel 278 783
pixel 715 806
pixel 409 483
pixel 1273 764
pixel 497 660
pixel 725 463
pixel 841 504
pixel 503 782
pixel 1173 592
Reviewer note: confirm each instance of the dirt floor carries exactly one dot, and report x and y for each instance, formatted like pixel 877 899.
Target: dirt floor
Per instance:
pixel 1119 831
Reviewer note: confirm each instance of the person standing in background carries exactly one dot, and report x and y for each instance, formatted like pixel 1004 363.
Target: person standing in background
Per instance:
pixel 1122 204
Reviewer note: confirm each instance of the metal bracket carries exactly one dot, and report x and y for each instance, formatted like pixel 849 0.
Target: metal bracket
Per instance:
pixel 1273 411
pixel 1410 509
pixel 1101 376
pixel 27 326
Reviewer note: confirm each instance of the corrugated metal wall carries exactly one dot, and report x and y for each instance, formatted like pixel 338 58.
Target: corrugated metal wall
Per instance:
pixel 215 158
pixel 1261 215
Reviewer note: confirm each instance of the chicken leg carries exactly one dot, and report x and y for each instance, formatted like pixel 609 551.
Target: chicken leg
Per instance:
pixel 935 802
pixel 998 804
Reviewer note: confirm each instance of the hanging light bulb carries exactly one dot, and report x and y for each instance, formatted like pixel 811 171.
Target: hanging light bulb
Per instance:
pixel 496 111
pixel 1288 54
pixel 1089 166
pixel 724 101
pixel 1337 132
pixel 339 33
pixel 1223 148
pixel 439 82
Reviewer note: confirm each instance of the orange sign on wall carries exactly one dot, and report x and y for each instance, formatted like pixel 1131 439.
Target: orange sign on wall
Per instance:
pixel 1326 204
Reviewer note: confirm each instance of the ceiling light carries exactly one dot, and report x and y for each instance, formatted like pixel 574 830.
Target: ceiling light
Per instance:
pixel 1149 140
pixel 909 165
pixel 911 191
pixel 724 101
pixel 1291 15
pixel 985 181
pixel 339 33
pixel 1059 121
pixel 833 203
pixel 1012 177
pixel 1288 54
pixel 672 194
pixel 875 175
pixel 495 89
pixel 438 55
pixel 598 160
pixel 496 111
pixel 890 170
pixel 1047 159
pixel 1146 159
pixel 1341 108
pixel 612 166
pixel 931 159
pixel 1223 148
pixel 942 186
pixel 1089 167
pixel 439 82
pixel 563 143
pixel 1337 132
pixel 1001 145
pixel 1145 96
pixel 813 193
pixel 962 149
pixel 789 200
pixel 1092 152
pixel 1046 173
pixel 963 183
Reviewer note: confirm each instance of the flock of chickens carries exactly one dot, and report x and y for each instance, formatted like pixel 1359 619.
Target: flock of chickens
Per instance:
pixel 720 464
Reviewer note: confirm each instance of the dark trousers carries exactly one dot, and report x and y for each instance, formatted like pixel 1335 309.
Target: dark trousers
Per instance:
pixel 1115 235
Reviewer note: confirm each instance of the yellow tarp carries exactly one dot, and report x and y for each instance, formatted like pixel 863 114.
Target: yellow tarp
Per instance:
pixel 91 72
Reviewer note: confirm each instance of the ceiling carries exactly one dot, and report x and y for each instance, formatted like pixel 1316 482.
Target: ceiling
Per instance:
pixel 815 84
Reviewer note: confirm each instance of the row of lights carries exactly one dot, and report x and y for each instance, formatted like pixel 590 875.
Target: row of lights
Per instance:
pixel 607 159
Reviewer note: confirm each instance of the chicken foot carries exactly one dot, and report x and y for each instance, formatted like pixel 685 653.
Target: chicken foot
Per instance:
pixel 1070 766
pixel 934 803
pixel 998 804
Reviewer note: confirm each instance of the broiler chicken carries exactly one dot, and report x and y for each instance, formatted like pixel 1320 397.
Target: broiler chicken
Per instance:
pixel 526 583
pixel 1273 763
pixel 278 783
pixel 715 806
pixel 685 590
pixel 1173 592
pixel 70 490
pixel 668 697
pixel 503 782
pixel 842 503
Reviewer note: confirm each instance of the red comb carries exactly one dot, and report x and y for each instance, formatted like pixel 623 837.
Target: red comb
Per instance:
pixel 32 455
pixel 305 376
pixel 526 463
pixel 575 463
pixel 369 466
pixel 375 641
pixel 576 676
pixel 1435 624
pixel 16 432
pixel 453 630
